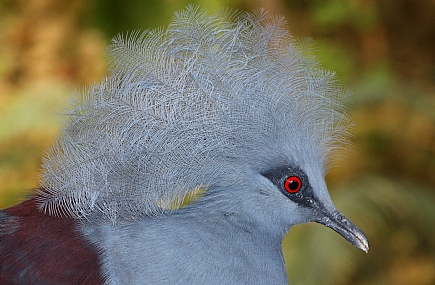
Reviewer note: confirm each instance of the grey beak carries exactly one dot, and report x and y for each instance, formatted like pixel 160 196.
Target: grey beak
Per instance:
pixel 339 223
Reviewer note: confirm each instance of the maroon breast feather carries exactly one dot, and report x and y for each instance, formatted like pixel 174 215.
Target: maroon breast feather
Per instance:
pixel 36 248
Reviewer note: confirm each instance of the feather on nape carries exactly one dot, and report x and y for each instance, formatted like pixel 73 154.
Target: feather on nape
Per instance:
pixel 188 106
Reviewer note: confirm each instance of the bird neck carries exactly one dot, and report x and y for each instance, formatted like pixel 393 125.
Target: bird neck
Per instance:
pixel 209 235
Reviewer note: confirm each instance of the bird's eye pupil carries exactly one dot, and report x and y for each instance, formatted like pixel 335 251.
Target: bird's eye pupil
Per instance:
pixel 293 184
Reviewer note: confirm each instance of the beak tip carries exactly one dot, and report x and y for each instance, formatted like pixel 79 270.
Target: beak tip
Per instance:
pixel 356 237
pixel 347 229
pixel 362 242
pixel 363 247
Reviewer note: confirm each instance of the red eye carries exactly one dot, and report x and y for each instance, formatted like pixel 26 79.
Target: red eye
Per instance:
pixel 293 184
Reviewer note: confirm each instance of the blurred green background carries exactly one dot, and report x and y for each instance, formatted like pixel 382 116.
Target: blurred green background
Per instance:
pixel 383 51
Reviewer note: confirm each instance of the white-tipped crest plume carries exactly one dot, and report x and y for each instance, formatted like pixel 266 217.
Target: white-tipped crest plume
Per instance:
pixel 189 106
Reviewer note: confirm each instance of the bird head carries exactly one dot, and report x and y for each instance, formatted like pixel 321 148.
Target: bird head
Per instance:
pixel 311 202
pixel 230 101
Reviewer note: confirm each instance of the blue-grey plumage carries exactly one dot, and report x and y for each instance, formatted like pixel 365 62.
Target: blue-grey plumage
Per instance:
pixel 226 102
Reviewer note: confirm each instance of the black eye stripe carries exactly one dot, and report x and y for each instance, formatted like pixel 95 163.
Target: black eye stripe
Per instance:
pixel 290 180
